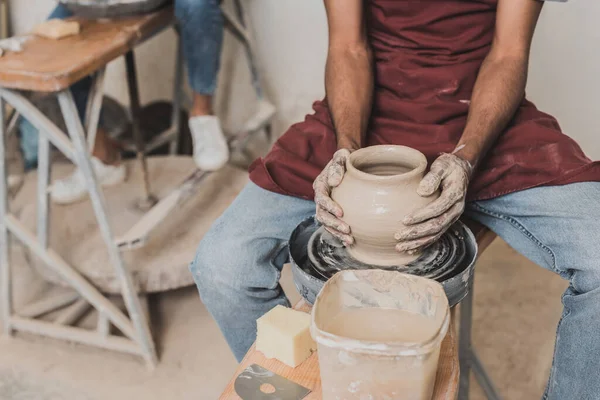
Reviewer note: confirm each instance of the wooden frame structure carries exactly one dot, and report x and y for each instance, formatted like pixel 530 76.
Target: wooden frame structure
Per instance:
pixel 134 325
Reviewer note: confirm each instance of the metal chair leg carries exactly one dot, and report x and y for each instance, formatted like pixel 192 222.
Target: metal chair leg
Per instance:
pixel 467 357
pixel 483 378
pixel 249 49
pixel 464 344
pixel 177 98
pixel 75 129
pixel 5 268
pixel 148 200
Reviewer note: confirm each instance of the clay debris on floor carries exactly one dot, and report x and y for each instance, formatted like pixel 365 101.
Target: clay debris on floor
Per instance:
pixel 516 311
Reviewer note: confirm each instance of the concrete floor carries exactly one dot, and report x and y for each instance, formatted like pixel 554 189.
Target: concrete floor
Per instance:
pixel 517 308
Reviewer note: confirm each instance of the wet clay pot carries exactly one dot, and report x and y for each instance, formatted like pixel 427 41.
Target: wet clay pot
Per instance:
pixel 378 190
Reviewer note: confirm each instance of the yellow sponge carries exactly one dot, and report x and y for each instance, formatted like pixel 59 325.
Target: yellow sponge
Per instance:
pixel 284 334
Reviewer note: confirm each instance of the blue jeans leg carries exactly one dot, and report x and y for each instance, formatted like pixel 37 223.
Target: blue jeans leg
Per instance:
pixel 201 24
pixel 238 263
pixel 558 227
pixel 80 91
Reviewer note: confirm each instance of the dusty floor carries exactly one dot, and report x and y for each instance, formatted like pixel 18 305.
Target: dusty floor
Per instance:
pixel 517 308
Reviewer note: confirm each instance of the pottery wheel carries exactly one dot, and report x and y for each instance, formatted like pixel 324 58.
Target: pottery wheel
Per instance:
pixel 328 256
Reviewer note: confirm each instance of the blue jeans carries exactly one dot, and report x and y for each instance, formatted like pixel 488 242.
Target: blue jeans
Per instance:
pixel 201 25
pixel 238 265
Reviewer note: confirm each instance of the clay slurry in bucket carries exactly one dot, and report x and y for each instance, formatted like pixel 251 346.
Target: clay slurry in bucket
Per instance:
pixel 379 335
pixel 382 325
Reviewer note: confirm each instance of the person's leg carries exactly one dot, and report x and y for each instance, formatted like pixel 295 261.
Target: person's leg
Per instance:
pixel 80 89
pixel 238 263
pixel 29 134
pixel 558 227
pixel 201 25
pixel 106 154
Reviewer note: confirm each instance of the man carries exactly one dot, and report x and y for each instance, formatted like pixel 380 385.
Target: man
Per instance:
pixel 201 24
pixel 447 78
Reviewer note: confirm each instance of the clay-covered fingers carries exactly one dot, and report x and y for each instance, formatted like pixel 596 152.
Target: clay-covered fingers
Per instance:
pixel 323 197
pixel 423 227
pixel 450 197
pixel 431 227
pixel 335 226
pixel 336 168
pixel 328 212
pixel 431 182
pixel 416 245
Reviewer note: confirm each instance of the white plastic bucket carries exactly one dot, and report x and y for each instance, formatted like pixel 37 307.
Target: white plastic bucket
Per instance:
pixel 355 366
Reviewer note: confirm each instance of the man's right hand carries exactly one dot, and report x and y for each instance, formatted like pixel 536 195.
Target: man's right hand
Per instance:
pixel 328 211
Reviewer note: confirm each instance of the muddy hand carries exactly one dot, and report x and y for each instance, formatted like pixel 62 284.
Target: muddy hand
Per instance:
pixel 451 175
pixel 328 211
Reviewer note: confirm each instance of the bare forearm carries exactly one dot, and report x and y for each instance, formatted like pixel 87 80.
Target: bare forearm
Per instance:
pixel 349 87
pixel 497 94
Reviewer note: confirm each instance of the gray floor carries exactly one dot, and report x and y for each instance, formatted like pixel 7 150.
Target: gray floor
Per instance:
pixel 517 308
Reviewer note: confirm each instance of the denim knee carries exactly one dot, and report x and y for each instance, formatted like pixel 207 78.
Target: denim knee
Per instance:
pixel 219 262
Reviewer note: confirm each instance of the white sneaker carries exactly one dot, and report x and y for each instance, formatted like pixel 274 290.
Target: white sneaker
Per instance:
pixel 72 188
pixel 211 151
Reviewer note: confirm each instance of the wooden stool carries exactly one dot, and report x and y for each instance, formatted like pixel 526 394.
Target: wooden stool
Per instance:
pixel 468 358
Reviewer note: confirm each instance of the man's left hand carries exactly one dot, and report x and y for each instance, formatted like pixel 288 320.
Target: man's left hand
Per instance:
pixel 451 175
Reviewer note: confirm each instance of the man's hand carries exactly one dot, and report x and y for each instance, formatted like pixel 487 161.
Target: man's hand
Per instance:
pixel 451 174
pixel 328 211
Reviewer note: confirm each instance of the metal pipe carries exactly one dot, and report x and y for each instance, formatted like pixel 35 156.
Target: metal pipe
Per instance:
pixel 464 343
pixel 249 48
pixel 5 268
pixel 4 20
pixel 177 84
pixel 134 105
pixel 483 378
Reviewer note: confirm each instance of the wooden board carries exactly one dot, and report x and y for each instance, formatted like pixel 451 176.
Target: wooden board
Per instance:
pixel 47 65
pixel 163 264
pixel 307 373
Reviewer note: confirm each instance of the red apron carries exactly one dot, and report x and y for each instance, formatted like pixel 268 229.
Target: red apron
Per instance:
pixel 427 56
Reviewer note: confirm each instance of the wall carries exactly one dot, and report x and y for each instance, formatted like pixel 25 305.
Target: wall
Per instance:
pixel 291 45
pixel 564 77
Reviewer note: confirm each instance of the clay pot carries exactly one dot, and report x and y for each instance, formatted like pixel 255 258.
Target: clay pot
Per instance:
pixel 378 190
